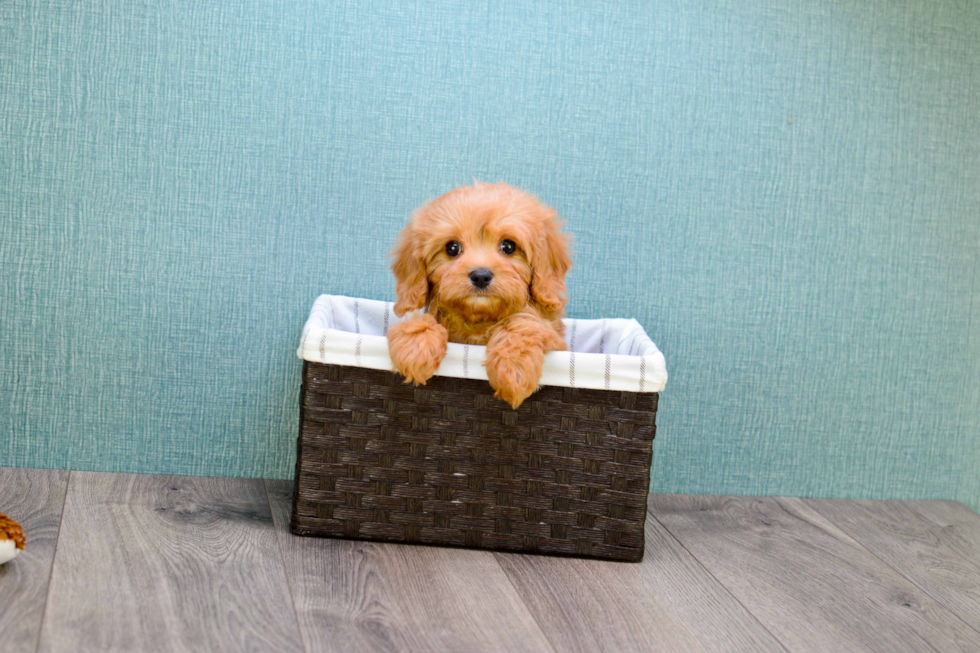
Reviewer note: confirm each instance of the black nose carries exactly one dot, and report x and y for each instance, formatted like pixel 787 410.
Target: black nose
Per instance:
pixel 481 277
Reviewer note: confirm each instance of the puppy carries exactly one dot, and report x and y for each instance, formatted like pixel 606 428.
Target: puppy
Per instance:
pixel 488 263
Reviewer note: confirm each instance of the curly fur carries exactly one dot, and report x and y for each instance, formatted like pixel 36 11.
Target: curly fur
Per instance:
pixel 517 317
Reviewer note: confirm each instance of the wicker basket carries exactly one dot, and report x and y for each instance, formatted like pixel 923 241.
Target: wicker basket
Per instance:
pixel 448 464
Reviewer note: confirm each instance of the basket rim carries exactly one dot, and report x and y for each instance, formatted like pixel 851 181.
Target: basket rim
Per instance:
pixel 343 330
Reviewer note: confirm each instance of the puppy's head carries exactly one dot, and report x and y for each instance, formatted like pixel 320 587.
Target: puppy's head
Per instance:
pixel 482 252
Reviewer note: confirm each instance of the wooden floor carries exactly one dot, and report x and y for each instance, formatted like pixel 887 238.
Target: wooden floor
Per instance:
pixel 120 562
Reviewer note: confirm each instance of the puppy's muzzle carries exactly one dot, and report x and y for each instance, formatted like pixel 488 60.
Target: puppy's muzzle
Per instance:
pixel 481 277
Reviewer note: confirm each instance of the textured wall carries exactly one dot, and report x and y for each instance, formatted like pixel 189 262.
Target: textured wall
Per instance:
pixel 786 194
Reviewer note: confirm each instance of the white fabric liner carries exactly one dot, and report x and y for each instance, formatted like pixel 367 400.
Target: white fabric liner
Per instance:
pixel 610 354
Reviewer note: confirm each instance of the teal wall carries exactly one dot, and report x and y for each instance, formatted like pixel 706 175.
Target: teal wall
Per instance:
pixel 786 194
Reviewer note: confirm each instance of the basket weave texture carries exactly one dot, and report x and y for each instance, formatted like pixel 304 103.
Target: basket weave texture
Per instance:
pixel 448 464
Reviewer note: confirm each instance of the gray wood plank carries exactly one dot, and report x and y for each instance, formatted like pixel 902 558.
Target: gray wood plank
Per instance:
pixel 167 563
pixel 948 513
pixel 809 584
pixel 667 602
pixel 366 596
pixel 934 544
pixel 34 498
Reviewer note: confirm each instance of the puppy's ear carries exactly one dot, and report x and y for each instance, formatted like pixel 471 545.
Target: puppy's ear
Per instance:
pixel 411 283
pixel 550 261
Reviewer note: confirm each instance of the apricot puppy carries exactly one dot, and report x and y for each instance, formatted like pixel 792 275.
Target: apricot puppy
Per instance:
pixel 488 264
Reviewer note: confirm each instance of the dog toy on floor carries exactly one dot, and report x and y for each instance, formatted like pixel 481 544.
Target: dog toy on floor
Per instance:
pixel 488 264
pixel 12 539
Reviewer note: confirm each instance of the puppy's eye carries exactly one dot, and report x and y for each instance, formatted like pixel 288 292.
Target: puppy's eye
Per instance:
pixel 508 247
pixel 453 249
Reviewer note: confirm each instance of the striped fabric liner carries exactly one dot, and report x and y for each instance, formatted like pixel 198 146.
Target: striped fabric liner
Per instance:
pixel 609 354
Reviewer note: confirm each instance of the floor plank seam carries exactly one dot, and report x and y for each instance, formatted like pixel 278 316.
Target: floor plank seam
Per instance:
pixel 54 559
pixel 282 560
pixel 938 600
pixel 517 592
pixel 715 578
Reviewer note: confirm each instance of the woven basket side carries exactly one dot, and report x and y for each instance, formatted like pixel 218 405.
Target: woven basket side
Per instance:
pixel 567 473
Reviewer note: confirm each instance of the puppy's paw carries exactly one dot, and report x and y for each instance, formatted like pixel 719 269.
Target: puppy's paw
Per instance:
pixel 514 372
pixel 417 347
